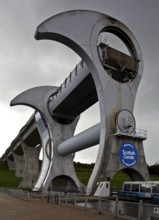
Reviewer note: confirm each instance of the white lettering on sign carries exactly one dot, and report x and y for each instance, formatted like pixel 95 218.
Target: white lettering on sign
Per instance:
pixel 128 154
pixel 156 210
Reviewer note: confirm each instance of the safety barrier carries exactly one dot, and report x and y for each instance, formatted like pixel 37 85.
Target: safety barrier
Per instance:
pixel 118 208
pixel 115 207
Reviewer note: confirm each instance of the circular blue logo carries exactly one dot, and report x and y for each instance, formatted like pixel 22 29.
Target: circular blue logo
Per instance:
pixel 128 154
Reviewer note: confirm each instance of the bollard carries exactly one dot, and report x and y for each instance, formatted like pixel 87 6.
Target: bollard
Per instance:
pixel 75 201
pixel 99 206
pixel 140 213
pixel 42 195
pixel 116 207
pixel 59 198
pixel 48 198
pixel 85 203
pixel 56 199
pixel 66 199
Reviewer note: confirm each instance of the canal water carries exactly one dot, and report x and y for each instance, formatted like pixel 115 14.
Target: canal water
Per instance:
pixel 131 209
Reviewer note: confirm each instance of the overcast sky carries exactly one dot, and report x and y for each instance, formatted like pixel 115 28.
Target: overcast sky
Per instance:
pixel 26 63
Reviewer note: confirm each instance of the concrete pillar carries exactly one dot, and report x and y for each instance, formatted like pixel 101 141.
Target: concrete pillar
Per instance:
pixel 11 164
pixel 112 163
pixel 19 165
pixel 31 172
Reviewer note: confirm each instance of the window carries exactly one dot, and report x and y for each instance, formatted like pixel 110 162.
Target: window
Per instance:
pixel 135 188
pixel 142 187
pixel 148 188
pixel 101 185
pixel 155 188
pixel 127 187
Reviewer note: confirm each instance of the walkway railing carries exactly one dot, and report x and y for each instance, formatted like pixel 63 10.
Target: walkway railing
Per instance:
pixel 138 134
pixel 114 206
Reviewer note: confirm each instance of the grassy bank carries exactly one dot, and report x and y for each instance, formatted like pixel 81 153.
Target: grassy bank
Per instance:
pixel 83 171
pixel 7 178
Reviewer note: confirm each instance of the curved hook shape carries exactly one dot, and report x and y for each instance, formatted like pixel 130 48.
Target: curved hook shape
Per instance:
pixel 34 97
pixel 79 30
pixel 44 136
pixel 37 98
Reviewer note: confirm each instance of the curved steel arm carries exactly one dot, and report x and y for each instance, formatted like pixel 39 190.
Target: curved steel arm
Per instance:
pixel 34 97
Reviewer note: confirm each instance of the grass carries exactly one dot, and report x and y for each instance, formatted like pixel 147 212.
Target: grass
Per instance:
pixel 154 177
pixel 118 179
pixel 7 178
pixel 83 171
pixel 83 174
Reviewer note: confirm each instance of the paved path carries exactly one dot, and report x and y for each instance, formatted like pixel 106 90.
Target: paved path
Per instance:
pixel 17 209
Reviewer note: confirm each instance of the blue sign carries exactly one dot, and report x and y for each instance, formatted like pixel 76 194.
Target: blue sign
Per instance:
pixel 128 154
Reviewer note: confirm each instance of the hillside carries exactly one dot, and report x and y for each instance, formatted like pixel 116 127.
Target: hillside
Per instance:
pixel 83 171
pixel 7 178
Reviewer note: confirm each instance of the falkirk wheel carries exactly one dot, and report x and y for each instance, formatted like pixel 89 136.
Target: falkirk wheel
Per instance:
pixel 105 75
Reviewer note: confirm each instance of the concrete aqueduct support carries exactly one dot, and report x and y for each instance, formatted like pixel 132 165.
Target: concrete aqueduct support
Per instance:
pixel 11 164
pixel 19 164
pixel 31 167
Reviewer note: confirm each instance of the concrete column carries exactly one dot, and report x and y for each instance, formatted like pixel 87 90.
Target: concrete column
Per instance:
pixel 19 165
pixel 112 163
pixel 11 164
pixel 31 173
